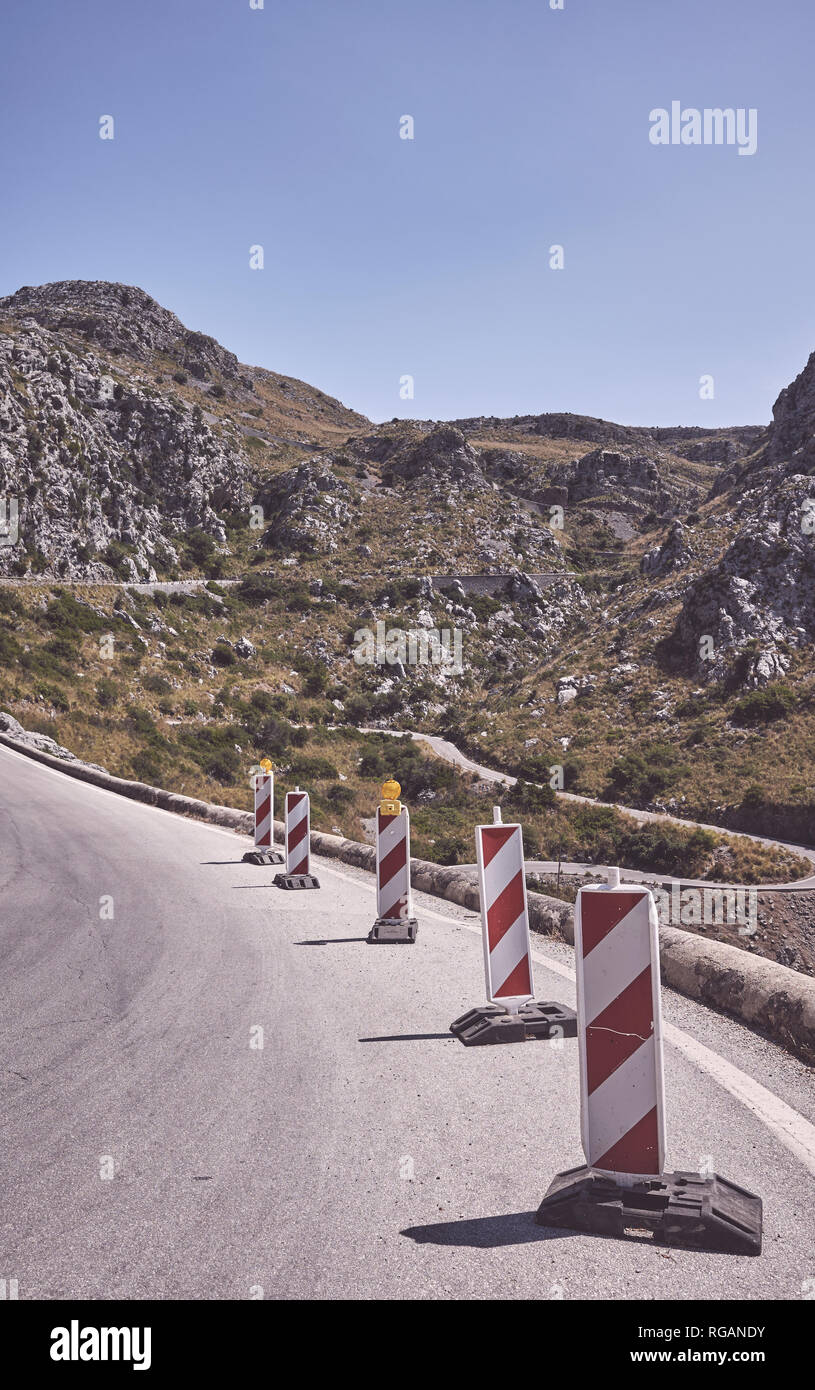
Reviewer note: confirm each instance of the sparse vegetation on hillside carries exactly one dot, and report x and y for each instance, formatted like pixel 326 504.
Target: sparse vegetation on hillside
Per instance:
pixel 606 554
pixel 174 709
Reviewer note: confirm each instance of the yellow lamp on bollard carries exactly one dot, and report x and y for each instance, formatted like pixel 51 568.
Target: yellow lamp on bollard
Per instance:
pixel 390 805
pixel 266 764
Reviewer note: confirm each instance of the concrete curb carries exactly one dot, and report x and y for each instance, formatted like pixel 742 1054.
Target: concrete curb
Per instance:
pixel 769 997
pixel 777 1001
pixel 137 791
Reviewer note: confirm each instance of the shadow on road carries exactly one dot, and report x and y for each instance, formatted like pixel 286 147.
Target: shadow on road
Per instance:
pixel 408 1037
pixel 331 941
pixel 486 1232
pixel 206 862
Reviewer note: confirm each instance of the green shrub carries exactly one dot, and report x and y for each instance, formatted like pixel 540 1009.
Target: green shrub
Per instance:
pixel 107 692
pixel 66 616
pixel 157 685
pixel 9 603
pixel 339 795
pixel 117 555
pixel 350 594
pixel 272 736
pixel 257 589
pixel 450 849
pixel 54 695
pixel 762 706
pixel 400 591
pixel 146 767
pixel 201 552
pixel 372 765
pixel 643 773
pixel 224 766
pixel 358 709
pixel 298 602
pixel 303 770
pixel 527 797
pixel 316 681
pixel 531 843
pixel 666 849
pixel 141 721
pixel 10 649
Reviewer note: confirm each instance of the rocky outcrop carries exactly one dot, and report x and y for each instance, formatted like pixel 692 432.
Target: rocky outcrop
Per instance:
pixel 94 459
pixel 792 432
pixel 542 615
pixel 570 687
pixel 713 445
pixel 309 508
pixel 119 319
pixel 521 588
pixel 443 457
pixel 121 431
pixel 675 553
pixel 762 590
pixel 726 449
pixel 42 743
pixel 634 478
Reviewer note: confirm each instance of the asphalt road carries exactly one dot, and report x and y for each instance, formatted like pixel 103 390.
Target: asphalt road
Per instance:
pixel 362 1152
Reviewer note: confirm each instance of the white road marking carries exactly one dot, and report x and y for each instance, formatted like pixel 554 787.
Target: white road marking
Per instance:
pixel 792 1129
pixel 789 1127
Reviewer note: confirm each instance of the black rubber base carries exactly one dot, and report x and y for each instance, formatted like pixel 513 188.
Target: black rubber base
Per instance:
pixel 263 856
pixel 489 1024
pixel 295 881
pixel 684 1209
pixel 393 931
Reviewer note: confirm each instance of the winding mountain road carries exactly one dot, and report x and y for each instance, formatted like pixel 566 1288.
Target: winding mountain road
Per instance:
pixel 443 748
pixel 150 1150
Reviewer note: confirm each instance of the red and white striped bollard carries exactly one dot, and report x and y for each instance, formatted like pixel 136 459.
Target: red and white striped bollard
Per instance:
pixel 298 843
pixel 511 1014
pixel 264 851
pixel 395 922
pixel 623 1187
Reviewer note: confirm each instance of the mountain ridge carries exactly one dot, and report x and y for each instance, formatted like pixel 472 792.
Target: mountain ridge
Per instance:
pixel 651 623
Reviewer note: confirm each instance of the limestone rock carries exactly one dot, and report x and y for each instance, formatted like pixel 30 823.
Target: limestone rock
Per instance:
pixel 674 553
pixel 443 456
pixel 93 468
pixel 309 508
pixel 762 590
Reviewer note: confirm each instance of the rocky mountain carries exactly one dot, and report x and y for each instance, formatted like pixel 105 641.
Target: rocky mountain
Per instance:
pixel 791 436
pixel 691 441
pixel 758 600
pixel 122 433
pixel 121 430
pixel 121 320
pixel 618 589
pixel 107 471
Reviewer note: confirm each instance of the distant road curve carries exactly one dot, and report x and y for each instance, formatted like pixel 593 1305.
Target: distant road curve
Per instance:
pixel 451 754
pixel 162 586
pixel 472 583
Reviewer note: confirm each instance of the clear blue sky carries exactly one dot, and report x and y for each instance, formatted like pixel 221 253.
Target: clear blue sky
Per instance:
pixel 383 256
